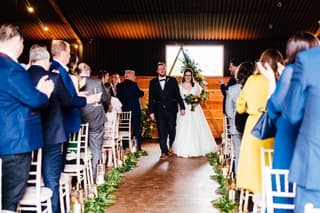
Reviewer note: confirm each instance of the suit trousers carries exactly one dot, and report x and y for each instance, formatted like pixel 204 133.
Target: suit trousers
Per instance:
pixel 52 162
pixel 15 173
pixel 95 144
pixel 136 126
pixel 166 125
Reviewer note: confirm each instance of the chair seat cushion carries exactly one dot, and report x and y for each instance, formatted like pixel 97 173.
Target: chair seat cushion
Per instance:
pixel 30 196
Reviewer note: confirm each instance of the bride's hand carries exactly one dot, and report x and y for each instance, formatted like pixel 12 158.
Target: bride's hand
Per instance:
pixel 182 112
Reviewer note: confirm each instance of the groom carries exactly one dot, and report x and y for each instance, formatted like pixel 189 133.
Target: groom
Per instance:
pixel 164 98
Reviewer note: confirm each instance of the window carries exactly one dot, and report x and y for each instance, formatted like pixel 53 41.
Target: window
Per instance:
pixel 209 58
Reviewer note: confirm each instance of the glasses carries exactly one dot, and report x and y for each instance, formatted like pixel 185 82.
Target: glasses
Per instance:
pixel 187 75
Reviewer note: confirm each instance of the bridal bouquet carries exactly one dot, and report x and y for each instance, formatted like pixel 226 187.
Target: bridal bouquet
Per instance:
pixel 192 100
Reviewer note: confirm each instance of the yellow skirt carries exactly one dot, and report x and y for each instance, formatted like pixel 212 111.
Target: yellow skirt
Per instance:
pixel 249 167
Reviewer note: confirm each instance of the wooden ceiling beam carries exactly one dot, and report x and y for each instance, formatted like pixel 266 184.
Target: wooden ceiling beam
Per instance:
pixel 65 20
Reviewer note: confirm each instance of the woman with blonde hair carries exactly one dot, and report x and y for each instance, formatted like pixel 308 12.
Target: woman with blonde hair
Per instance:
pixel 253 99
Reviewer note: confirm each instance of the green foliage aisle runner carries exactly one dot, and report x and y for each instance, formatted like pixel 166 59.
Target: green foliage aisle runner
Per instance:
pixel 113 178
pixel 225 204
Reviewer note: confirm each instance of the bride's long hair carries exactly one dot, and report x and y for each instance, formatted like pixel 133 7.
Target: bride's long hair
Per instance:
pixel 184 73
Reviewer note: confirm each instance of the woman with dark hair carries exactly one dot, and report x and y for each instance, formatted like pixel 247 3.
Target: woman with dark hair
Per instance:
pixel 193 134
pixel 242 74
pixel 287 132
pixel 253 99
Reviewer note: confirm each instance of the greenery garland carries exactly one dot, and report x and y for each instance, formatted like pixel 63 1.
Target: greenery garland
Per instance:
pixel 223 203
pixel 147 123
pixel 112 178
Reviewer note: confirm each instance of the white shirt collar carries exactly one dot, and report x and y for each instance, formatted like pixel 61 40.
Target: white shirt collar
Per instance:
pixel 160 78
pixel 64 66
pixel 9 54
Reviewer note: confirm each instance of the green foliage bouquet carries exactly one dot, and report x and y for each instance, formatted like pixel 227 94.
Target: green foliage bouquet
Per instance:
pixel 193 100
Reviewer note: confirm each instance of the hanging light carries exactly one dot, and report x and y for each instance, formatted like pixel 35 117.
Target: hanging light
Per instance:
pixel 29 7
pixel 45 28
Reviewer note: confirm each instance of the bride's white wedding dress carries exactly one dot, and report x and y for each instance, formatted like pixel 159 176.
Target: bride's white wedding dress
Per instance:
pixel 193 134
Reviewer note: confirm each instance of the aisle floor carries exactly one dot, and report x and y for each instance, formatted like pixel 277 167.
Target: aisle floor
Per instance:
pixel 177 185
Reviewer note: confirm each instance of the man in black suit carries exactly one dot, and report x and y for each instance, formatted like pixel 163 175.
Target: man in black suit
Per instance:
pixel 164 98
pixel 52 121
pixel 129 95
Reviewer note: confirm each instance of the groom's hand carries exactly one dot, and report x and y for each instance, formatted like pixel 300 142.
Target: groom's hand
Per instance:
pixel 152 116
pixel 182 112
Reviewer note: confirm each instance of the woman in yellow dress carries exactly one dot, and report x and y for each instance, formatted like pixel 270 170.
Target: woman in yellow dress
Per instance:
pixel 253 99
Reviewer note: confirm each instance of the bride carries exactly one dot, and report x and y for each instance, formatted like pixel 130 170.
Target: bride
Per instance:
pixel 193 134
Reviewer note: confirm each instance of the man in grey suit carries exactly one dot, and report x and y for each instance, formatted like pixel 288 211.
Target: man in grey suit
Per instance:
pixel 94 114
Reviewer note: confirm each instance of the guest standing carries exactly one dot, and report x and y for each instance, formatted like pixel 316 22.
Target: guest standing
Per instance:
pixel 302 106
pixel 20 120
pixel 129 95
pixel 253 99
pixel 60 51
pixel 94 114
pixel 114 83
pixel 52 121
pixel 164 99
pixel 286 132
pixel 234 63
pixel 242 74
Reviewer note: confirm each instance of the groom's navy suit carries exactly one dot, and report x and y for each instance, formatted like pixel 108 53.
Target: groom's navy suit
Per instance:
pixel 164 104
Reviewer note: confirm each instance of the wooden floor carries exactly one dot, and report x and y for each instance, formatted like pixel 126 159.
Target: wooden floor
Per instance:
pixel 177 185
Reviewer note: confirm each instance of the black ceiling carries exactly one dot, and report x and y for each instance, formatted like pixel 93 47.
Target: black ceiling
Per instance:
pixel 163 19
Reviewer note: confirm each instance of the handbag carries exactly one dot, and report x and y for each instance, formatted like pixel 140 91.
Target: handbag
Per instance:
pixel 265 127
pixel 240 121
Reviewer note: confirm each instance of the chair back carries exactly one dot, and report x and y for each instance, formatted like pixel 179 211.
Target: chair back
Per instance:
pixel 125 123
pixel 74 148
pixel 308 208
pixel 281 189
pixel 266 157
pixel 36 197
pixel 110 130
pixel 35 170
pixel 84 136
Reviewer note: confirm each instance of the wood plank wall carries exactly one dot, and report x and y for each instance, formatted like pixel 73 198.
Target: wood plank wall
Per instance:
pixel 212 107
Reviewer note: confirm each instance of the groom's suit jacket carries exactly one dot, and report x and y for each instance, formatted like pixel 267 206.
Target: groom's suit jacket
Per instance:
pixel 167 99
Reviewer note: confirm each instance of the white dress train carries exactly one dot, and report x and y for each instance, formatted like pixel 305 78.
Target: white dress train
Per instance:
pixel 193 135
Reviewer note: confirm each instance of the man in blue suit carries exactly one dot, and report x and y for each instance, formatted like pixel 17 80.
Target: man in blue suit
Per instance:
pixel 303 105
pixel 20 121
pixel 60 51
pixel 52 121
pixel 129 95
